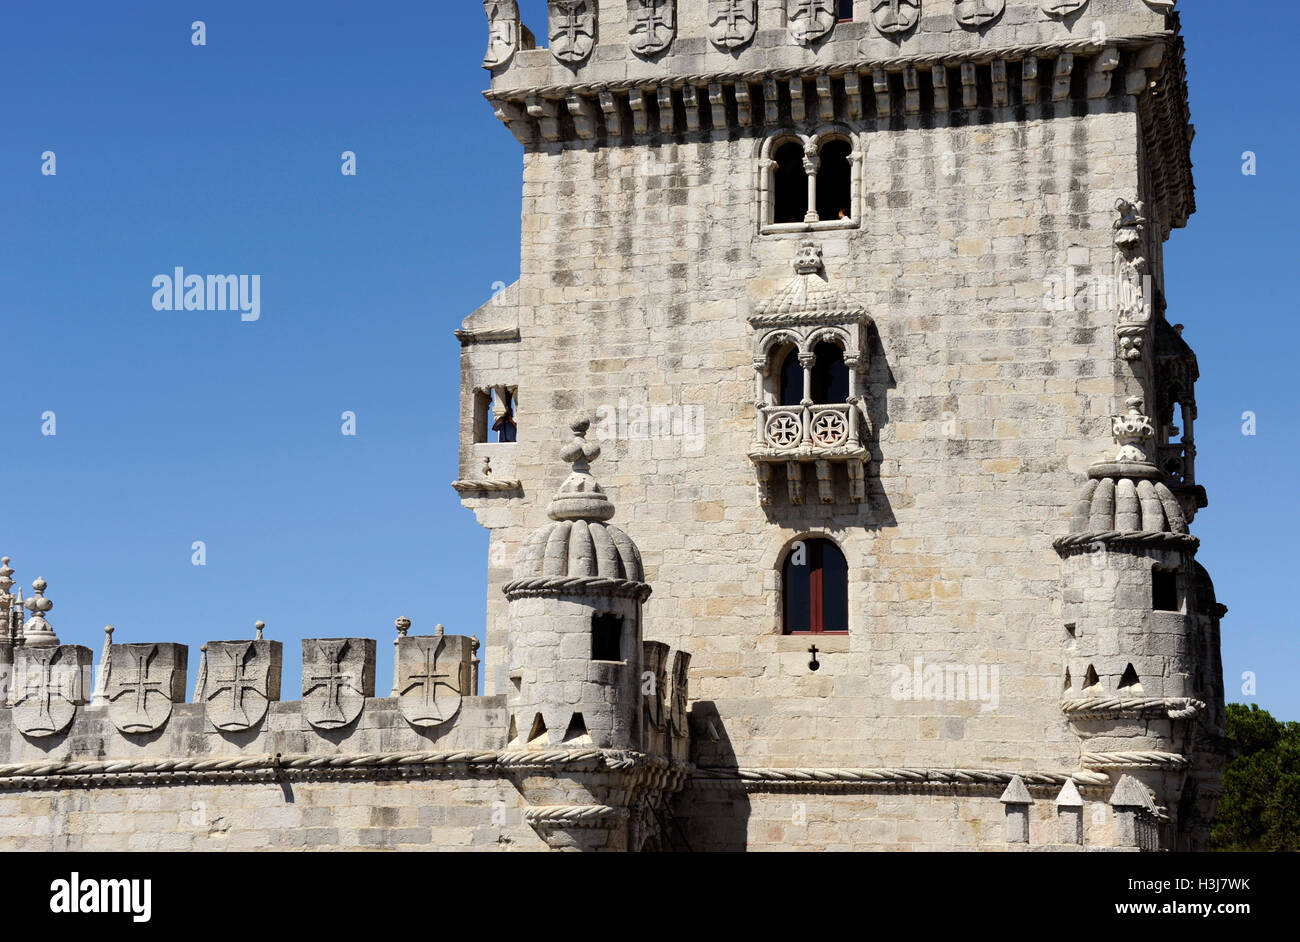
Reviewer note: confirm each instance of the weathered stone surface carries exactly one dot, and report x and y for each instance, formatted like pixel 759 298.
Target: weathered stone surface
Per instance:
pixel 242 678
pixel 432 677
pixel 337 676
pixel 141 682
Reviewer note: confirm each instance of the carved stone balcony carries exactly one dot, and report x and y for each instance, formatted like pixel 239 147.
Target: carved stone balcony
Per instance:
pixel 809 431
pixel 821 435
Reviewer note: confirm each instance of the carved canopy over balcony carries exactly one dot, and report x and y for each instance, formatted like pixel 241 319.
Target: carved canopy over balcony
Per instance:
pixel 811 354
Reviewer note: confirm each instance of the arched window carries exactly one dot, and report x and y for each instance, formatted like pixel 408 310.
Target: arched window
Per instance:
pixel 830 378
pixel 835 181
pixel 791 379
pixel 790 181
pixel 815 589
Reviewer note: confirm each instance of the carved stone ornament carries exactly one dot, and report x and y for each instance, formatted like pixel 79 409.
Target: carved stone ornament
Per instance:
pixel 337 676
pixel 49 684
pixel 810 20
pixel 654 667
pixel 241 680
pixel 430 677
pixel 651 25
pixel 678 707
pixel 892 17
pixel 572 29
pixel 141 683
pixel 503 32
pixel 732 22
pixel 1132 431
pixel 1063 8
pixel 1133 296
pixel 975 14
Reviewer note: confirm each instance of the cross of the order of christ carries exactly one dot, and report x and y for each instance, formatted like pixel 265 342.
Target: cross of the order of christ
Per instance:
pixel 429 679
pixel 141 686
pixel 572 24
pixel 334 681
pixel 237 682
pixel 650 17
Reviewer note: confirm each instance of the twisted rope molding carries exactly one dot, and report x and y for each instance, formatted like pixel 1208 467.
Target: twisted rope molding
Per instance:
pixel 938 778
pixel 1176 708
pixel 1141 538
pixel 575 585
pixel 63 774
pixel 891 64
pixel 583 816
pixel 1167 761
pixel 486 484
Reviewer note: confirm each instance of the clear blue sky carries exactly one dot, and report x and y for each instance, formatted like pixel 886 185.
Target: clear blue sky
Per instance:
pixel 174 427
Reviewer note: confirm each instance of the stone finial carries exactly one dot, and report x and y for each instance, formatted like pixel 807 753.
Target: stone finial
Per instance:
pixel 105 667
pixel 580 497
pixel 1132 431
pixel 439 630
pixel 259 626
pixel 808 260
pixel 37 632
pixel 6 576
pixel 403 625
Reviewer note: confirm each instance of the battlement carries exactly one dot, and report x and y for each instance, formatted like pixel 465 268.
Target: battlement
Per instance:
pixel 65 721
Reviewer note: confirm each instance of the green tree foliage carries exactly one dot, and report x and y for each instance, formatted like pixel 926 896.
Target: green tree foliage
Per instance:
pixel 1260 807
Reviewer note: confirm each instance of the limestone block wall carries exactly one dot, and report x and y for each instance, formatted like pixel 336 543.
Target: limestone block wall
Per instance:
pixel 639 268
pixel 908 820
pixel 333 807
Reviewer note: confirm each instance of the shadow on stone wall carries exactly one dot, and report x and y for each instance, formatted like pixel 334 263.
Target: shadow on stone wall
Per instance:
pixel 712 818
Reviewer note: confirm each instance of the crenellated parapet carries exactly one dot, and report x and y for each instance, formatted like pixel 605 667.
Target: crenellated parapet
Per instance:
pixel 633 71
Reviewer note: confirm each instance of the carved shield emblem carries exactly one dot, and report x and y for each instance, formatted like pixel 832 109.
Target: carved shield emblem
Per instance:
pixel 429 677
pixel 732 22
pixel 503 32
pixel 141 683
pixel 49 684
pixel 242 679
pixel 974 14
pixel 810 20
pixel 1060 8
pixel 681 668
pixel 337 676
pixel 572 29
pixel 651 24
pixel 895 16
pixel 654 669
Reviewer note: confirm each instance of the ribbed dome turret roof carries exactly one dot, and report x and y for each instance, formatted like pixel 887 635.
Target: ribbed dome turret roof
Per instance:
pixel 579 543
pixel 1127 499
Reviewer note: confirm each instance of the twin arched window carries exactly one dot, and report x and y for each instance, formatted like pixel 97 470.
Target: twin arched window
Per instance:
pixel 827 381
pixel 814 589
pixel 812 181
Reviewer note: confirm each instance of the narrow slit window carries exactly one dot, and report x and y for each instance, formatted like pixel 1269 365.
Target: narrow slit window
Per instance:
pixel 790 184
pixel 830 379
pixel 1164 590
pixel 835 181
pixel 791 379
pixel 606 638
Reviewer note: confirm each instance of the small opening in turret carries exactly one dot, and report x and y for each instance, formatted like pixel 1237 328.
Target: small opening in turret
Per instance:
pixel 606 637
pixel 1164 590
pixel 1129 683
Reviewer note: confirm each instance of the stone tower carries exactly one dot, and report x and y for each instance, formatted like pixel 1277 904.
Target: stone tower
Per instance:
pixel 856 490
